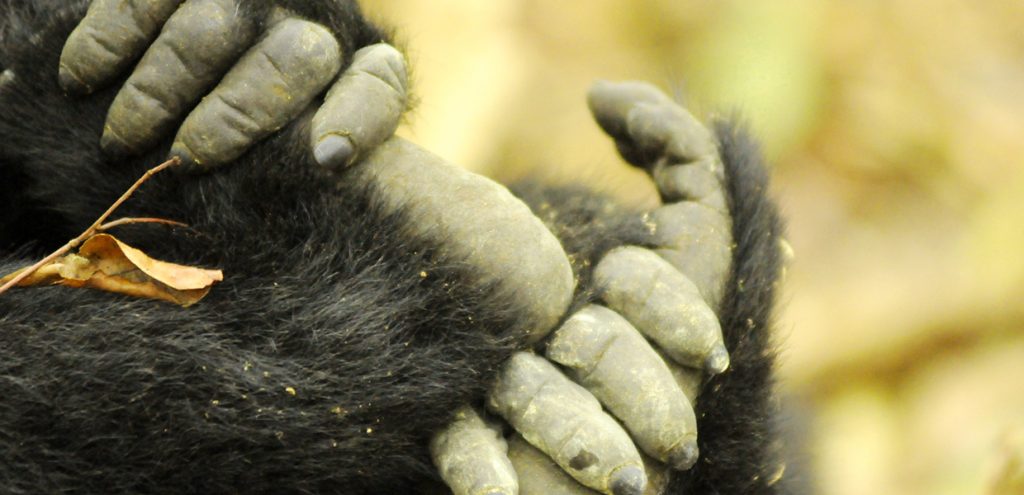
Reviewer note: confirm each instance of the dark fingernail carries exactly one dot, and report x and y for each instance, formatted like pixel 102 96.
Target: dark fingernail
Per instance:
pixel 685 456
pixel 628 480
pixel 70 83
pixel 334 151
pixel 717 361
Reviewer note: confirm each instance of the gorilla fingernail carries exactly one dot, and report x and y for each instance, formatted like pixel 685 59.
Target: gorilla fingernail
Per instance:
pixel 628 480
pixel 334 151
pixel 566 422
pixel 364 106
pixel 717 361
pixel 660 302
pixel 685 456
pixel 610 358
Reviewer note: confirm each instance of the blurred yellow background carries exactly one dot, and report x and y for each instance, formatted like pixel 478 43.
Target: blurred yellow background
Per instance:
pixel 896 131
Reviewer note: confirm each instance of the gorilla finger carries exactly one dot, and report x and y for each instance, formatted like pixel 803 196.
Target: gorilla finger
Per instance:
pixel 611 102
pixel 697 241
pixel 699 181
pixel 538 474
pixel 477 222
pixel 606 355
pixel 265 90
pixel 689 380
pixel 667 129
pixel 472 456
pixel 664 305
pixel 363 108
pixel 648 125
pixel 198 44
pixel 110 37
pixel 564 421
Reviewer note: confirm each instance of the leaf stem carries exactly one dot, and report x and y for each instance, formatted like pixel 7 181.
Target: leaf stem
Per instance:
pixel 96 226
pixel 132 220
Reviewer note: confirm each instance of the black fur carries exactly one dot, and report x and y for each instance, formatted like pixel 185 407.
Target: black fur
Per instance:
pixel 323 296
pixel 736 409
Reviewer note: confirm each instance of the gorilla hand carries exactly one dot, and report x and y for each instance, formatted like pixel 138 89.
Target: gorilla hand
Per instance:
pixel 270 63
pixel 666 293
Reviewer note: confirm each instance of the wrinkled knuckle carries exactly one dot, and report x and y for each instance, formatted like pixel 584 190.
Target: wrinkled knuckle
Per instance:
pixel 384 62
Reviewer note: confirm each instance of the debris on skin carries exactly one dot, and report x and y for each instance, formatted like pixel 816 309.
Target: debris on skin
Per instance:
pixel 363 108
pixel 271 84
pixel 566 422
pixel 197 44
pixel 472 456
pixel 611 359
pixel 662 304
pixel 108 40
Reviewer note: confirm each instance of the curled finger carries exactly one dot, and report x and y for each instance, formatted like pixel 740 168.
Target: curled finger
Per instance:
pixel 472 456
pixel 198 44
pixel 539 475
pixel 648 123
pixel 697 241
pixel 266 89
pixel 664 305
pixel 110 37
pixel 606 355
pixel 363 108
pixel 566 422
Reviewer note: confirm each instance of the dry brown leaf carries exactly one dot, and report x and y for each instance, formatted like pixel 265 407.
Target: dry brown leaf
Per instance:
pixel 105 263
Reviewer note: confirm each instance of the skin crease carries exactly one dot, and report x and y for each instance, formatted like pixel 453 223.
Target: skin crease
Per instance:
pixel 549 197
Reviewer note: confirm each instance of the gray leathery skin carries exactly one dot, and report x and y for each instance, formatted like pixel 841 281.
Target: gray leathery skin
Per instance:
pixel 478 221
pixel 198 44
pixel 613 361
pixel 472 456
pixel 611 102
pixel 566 422
pixel 111 36
pixel 698 181
pixel 682 156
pixel 697 240
pixel 663 304
pixel 539 475
pixel 271 84
pixel 364 106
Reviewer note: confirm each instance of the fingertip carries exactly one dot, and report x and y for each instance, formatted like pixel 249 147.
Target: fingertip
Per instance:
pixel 628 480
pixel 185 156
pixel 685 456
pixel 70 83
pixel 598 87
pixel 334 151
pixel 717 360
pixel 114 145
